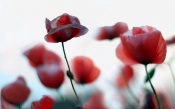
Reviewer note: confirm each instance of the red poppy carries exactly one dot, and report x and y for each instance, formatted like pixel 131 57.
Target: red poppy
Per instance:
pixel 111 32
pixel 125 76
pixel 45 102
pixel 51 75
pixel 142 45
pixel 165 101
pixel 17 92
pixel 35 55
pixel 84 69
pixel 39 55
pixel 6 105
pixel 96 101
pixel 150 101
pixel 127 72
pixel 170 41
pixel 64 28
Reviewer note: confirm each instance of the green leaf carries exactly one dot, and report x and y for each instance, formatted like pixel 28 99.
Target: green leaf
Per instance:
pixel 151 74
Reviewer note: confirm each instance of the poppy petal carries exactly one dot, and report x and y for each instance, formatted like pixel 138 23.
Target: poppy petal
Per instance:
pixel 124 56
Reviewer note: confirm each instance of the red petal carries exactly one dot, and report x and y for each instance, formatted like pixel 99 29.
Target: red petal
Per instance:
pixel 65 33
pixel 93 75
pixel 120 28
pixel 63 20
pixel 92 102
pixel 124 56
pixel 48 25
pixel 82 67
pixel 105 33
pixel 142 47
pixel 51 58
pixel 16 92
pixel 127 72
pixel 51 75
pixel 35 55
pixel 160 51
pixel 46 102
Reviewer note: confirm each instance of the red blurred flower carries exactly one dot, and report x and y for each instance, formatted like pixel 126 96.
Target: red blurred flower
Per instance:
pixel 171 41
pixel 142 45
pixel 64 28
pixel 45 102
pixel 6 105
pixel 17 92
pixel 35 55
pixel 84 69
pixel 96 101
pixel 165 100
pixel 125 76
pixel 111 32
pixel 39 55
pixel 51 75
pixel 150 101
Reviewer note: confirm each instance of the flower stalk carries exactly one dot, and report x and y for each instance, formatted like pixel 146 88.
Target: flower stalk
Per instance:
pixel 69 73
pixel 154 91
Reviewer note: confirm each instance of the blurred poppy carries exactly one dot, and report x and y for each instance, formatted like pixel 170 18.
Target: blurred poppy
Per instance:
pixel 170 41
pixel 125 76
pixel 6 105
pixel 64 28
pixel 143 45
pixel 35 55
pixel 84 70
pixel 39 55
pixel 17 92
pixel 165 100
pixel 149 101
pixel 96 101
pixel 51 75
pixel 45 102
pixel 111 32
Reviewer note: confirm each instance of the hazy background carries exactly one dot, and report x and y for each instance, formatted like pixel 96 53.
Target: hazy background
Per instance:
pixel 22 25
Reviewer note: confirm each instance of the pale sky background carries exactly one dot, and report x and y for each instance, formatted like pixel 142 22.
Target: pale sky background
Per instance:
pixel 22 25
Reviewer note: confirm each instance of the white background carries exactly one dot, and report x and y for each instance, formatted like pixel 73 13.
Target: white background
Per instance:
pixel 22 25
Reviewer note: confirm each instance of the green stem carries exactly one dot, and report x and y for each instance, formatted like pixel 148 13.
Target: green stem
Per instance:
pixel 69 71
pixel 171 72
pixel 154 91
pixel 19 107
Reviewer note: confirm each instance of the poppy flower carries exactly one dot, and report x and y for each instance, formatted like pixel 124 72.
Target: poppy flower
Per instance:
pixel 125 76
pixel 6 105
pixel 92 101
pixel 51 75
pixel 17 92
pixel 149 101
pixel 165 100
pixel 35 55
pixel 84 69
pixel 64 28
pixel 45 102
pixel 39 55
pixel 170 41
pixel 111 32
pixel 143 45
